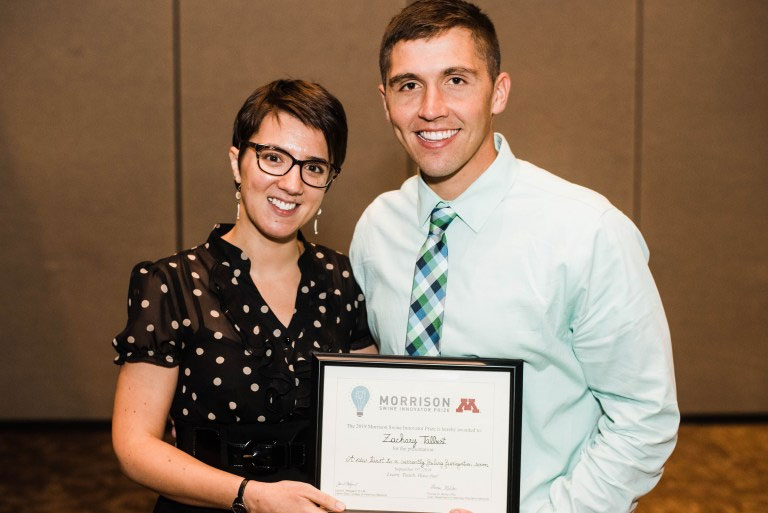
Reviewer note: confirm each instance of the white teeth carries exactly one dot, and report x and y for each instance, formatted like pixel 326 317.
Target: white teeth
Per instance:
pixel 282 205
pixel 438 135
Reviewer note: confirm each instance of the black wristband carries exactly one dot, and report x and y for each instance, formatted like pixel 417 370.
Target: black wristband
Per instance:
pixel 238 506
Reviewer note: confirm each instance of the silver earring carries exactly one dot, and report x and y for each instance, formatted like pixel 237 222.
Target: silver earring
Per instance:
pixel 319 211
pixel 237 197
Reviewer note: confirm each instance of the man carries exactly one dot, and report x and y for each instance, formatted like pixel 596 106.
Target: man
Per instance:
pixel 521 264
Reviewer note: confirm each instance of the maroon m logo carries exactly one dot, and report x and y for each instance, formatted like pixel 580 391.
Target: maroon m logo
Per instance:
pixel 467 404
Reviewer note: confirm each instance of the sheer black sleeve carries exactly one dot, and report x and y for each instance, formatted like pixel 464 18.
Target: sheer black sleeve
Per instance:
pixel 154 323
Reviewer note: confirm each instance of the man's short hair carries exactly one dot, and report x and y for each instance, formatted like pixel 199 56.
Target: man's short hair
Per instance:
pixel 424 19
pixel 308 102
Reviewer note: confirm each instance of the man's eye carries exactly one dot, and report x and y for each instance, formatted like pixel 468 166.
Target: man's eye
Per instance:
pixel 408 86
pixel 456 80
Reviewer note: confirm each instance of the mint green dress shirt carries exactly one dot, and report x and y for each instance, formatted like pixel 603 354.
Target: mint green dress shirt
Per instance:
pixel 549 272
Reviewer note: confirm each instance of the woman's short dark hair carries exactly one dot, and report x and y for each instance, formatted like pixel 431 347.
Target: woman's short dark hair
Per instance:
pixel 428 18
pixel 310 103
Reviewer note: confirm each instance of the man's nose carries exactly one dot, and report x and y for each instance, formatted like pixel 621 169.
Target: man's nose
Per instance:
pixel 433 104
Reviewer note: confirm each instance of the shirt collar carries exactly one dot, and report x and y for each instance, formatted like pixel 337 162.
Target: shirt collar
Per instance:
pixel 228 254
pixel 475 205
pixel 232 256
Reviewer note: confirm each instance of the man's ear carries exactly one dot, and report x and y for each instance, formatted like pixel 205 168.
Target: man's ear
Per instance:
pixel 383 92
pixel 234 153
pixel 500 93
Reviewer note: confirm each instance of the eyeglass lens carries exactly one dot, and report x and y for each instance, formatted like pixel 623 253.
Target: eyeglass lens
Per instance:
pixel 316 173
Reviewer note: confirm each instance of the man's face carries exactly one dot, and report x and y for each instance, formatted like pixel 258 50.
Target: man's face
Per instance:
pixel 440 100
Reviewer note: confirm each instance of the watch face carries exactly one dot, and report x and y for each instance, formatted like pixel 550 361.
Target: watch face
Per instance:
pixel 239 507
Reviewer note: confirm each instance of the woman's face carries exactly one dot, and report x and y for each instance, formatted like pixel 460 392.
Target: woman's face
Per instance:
pixel 277 206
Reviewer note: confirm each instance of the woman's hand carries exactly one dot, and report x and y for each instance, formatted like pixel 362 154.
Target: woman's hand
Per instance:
pixel 288 497
pixel 459 510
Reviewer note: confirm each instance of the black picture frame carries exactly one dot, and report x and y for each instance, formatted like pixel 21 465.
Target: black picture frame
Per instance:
pixel 514 367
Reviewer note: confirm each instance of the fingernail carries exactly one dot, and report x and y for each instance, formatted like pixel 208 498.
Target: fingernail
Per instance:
pixel 340 506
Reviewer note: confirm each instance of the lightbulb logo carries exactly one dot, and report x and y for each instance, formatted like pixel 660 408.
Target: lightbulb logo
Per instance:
pixel 360 396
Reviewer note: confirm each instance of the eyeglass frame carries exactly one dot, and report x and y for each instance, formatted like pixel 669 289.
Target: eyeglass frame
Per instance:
pixel 335 170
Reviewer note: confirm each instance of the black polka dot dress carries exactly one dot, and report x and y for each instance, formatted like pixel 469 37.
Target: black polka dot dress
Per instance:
pixel 200 311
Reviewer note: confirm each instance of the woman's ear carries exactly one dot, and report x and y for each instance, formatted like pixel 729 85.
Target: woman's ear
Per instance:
pixel 234 153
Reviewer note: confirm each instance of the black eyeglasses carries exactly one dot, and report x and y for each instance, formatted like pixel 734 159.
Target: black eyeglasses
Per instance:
pixel 277 162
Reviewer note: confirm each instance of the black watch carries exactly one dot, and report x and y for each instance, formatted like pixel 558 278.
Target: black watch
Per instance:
pixel 238 506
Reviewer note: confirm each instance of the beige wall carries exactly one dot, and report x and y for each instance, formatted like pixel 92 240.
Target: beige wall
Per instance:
pixel 673 131
pixel 704 187
pixel 86 174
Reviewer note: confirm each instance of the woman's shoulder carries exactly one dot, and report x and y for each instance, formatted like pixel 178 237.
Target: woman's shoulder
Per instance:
pixel 172 263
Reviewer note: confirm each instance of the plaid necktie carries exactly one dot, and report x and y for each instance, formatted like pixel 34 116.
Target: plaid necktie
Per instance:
pixel 425 320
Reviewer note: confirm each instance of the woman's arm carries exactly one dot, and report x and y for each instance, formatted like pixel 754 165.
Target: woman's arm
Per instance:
pixel 142 402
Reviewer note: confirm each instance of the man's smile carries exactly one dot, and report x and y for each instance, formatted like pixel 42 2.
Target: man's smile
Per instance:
pixel 436 135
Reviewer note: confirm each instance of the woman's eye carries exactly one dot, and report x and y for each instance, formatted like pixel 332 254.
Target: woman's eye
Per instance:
pixel 315 168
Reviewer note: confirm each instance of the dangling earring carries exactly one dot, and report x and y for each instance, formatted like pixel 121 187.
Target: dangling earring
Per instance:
pixel 319 211
pixel 237 197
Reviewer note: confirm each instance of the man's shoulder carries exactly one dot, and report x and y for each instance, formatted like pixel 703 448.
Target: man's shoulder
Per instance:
pixel 556 208
pixel 539 184
pixel 374 229
pixel 397 203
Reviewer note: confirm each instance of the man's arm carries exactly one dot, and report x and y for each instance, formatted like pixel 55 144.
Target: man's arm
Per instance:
pixel 621 339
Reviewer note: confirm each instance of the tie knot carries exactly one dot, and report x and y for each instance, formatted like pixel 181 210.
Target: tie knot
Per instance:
pixel 441 217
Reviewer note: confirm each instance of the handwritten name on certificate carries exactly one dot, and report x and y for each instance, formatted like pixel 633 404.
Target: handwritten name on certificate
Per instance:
pixel 424 440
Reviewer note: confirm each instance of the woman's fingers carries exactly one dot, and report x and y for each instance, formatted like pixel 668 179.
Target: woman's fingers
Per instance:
pixel 290 497
pixel 324 500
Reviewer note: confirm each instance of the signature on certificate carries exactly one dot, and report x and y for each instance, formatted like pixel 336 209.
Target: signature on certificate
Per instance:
pixel 412 440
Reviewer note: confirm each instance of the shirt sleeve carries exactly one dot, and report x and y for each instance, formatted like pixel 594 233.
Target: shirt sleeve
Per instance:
pixel 153 326
pixel 622 341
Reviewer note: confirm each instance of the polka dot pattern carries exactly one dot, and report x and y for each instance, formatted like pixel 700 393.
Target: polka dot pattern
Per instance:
pixel 200 311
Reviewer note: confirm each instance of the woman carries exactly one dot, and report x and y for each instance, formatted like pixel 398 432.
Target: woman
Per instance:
pixel 221 335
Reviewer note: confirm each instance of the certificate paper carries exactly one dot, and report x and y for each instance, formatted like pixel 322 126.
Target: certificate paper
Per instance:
pixel 419 435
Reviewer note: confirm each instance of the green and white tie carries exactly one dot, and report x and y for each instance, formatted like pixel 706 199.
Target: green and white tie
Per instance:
pixel 425 320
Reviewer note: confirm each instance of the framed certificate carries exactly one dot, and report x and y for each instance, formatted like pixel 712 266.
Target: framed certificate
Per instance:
pixel 418 434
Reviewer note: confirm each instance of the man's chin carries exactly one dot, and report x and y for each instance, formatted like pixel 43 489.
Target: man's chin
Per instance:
pixel 437 174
